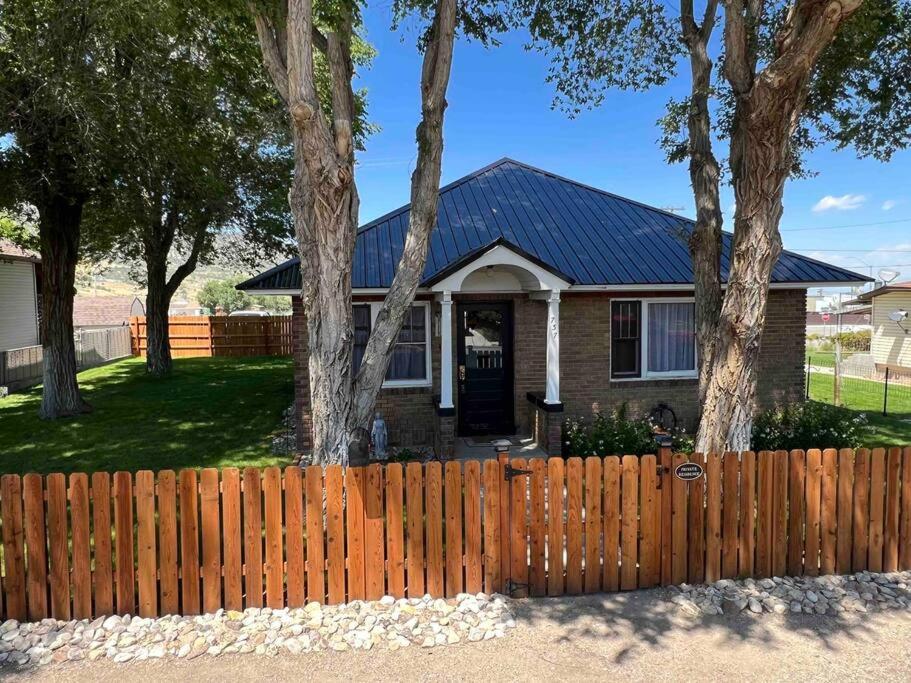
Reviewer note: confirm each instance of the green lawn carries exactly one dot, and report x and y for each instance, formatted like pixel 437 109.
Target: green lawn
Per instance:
pixel 212 412
pixel 825 359
pixel 866 397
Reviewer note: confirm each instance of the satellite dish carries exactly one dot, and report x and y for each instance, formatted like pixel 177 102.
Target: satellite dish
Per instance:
pixel 898 316
pixel 888 275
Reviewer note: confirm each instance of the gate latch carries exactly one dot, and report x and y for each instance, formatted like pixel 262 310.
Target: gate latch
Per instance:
pixel 509 472
pixel 514 587
pixel 659 474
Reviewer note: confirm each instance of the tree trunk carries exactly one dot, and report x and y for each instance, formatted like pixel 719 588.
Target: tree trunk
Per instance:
pixel 329 316
pixel 324 203
pixel 760 162
pixel 767 111
pixel 705 240
pixel 158 301
pixel 59 226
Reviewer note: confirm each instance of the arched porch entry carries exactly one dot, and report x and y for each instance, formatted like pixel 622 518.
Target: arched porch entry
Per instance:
pixel 481 343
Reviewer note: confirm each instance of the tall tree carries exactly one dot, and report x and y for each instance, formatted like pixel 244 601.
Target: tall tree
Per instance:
pixel 59 69
pixel 795 74
pixel 324 200
pixel 207 157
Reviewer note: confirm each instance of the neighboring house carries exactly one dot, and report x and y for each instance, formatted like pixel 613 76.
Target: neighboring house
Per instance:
pixel 542 296
pixel 891 342
pixel 20 297
pixel 96 312
pixel 828 324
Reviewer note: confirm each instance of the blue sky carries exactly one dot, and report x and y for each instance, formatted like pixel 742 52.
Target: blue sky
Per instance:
pixel 500 105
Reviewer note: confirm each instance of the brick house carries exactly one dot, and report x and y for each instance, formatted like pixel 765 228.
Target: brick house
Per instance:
pixel 542 296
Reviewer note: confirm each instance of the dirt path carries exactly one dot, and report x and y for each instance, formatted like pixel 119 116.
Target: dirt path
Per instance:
pixel 623 636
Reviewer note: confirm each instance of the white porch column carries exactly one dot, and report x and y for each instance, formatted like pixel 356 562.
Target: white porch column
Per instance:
pixel 446 351
pixel 553 347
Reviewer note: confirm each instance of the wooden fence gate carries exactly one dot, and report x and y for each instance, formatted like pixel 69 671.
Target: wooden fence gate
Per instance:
pixel 164 543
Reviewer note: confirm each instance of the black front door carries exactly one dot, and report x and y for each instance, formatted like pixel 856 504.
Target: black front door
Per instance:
pixel 485 368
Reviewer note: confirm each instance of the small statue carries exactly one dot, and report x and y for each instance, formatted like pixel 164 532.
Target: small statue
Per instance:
pixel 379 437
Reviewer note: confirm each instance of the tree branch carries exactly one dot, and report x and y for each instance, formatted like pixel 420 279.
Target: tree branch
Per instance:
pixel 736 48
pixel 425 186
pixel 186 268
pixel 341 72
pixel 273 46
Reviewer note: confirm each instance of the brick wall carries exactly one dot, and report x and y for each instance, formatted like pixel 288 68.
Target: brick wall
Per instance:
pixel 781 362
pixel 585 361
pixel 584 366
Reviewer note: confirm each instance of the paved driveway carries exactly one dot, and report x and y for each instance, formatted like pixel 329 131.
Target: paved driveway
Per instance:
pixel 630 636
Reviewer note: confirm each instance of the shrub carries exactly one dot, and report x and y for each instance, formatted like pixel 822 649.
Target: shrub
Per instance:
pixel 854 341
pixel 808 425
pixel 615 434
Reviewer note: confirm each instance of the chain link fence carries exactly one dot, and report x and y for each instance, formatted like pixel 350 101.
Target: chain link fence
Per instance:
pixel 856 382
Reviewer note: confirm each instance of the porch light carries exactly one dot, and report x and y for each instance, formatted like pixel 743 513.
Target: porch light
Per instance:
pixel 500 446
pixel 664 440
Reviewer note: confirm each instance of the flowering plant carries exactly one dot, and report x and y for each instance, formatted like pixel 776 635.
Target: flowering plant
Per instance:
pixel 808 424
pixel 615 433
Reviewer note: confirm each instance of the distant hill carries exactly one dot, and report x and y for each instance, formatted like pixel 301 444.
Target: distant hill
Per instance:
pixel 114 279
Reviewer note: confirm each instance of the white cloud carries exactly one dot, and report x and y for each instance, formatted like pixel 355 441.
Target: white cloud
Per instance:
pixel 847 202
pixel 890 204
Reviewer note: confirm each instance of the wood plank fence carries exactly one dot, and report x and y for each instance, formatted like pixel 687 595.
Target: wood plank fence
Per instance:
pixel 196 541
pixel 220 335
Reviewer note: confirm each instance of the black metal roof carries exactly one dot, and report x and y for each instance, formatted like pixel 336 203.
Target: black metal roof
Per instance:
pixel 589 236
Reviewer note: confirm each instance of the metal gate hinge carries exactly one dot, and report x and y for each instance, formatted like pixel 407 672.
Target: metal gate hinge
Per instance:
pixel 509 472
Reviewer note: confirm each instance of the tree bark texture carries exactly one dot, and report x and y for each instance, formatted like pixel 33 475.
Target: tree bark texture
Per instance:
pixel 60 219
pixel 768 109
pixel 324 203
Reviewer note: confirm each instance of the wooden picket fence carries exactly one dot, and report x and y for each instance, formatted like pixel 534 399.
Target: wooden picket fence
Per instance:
pixel 220 335
pixel 193 542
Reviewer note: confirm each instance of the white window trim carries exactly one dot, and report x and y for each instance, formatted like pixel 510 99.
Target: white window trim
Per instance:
pixel 406 383
pixel 646 374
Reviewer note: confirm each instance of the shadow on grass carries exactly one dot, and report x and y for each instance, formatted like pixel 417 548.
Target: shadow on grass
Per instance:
pixel 645 622
pixel 211 412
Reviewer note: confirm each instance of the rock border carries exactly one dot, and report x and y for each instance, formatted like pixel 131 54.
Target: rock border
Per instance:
pixel 358 625
pixel 832 594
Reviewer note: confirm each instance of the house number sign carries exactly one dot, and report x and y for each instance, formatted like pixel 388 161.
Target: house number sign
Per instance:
pixel 688 471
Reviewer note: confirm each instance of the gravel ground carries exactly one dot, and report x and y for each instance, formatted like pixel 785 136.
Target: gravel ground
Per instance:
pixel 638 635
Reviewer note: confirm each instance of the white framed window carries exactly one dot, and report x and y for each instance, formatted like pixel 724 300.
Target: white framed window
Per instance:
pixel 653 338
pixel 410 362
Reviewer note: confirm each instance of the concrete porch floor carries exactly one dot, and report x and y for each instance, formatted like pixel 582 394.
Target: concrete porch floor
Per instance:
pixel 481 448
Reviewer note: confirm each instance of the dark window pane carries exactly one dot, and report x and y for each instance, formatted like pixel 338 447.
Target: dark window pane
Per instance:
pixel 625 338
pixel 361 316
pixel 413 327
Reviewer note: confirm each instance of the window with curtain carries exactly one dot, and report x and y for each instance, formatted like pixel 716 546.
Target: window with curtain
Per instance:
pixel 671 337
pixel 409 356
pixel 625 338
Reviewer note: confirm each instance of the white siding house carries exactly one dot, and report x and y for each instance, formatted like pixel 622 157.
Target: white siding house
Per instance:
pixel 18 297
pixel 891 341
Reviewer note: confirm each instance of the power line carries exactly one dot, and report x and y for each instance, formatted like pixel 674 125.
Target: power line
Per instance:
pixel 850 225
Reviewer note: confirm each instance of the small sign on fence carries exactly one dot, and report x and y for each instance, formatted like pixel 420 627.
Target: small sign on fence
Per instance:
pixel 688 471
